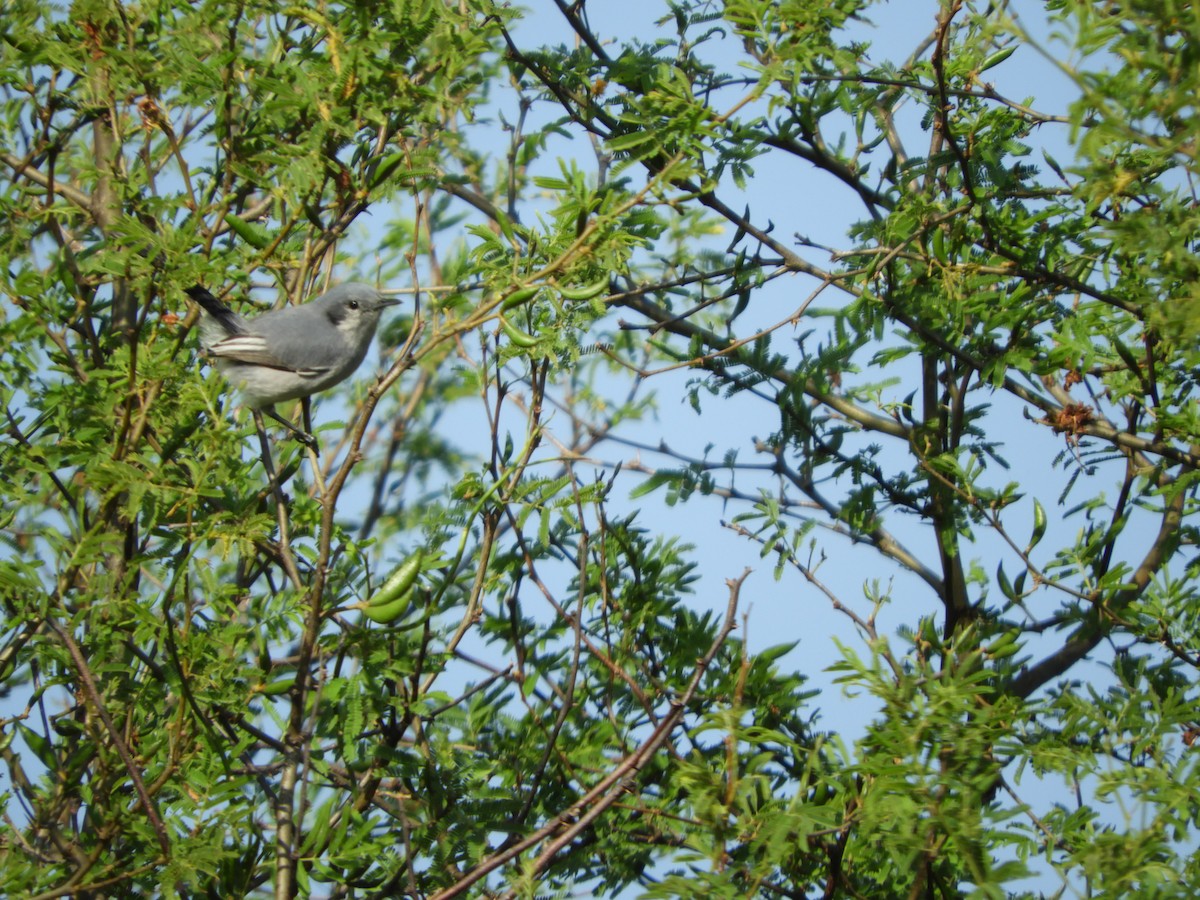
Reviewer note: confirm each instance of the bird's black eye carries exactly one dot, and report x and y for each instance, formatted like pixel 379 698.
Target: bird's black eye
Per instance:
pixel 353 304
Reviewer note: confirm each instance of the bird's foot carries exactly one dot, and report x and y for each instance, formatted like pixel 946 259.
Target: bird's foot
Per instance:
pixel 308 441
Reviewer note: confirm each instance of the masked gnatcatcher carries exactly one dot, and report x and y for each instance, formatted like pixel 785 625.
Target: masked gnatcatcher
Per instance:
pixel 291 353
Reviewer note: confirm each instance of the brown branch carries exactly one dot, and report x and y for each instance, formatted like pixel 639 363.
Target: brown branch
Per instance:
pixel 26 168
pixel 1089 635
pixel 570 823
pixel 93 694
pixel 859 416
pixel 295 737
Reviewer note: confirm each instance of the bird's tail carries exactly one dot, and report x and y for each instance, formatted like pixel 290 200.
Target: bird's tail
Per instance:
pixel 230 322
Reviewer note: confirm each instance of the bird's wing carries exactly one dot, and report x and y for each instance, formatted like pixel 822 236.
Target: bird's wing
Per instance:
pixel 251 350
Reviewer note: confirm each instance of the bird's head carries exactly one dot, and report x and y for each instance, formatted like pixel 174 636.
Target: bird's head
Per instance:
pixel 354 310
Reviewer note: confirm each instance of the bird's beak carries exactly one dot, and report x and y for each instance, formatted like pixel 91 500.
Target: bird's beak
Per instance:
pixel 389 301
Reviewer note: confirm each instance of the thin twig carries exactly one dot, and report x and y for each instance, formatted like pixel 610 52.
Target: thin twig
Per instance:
pixel 571 822
pixel 93 694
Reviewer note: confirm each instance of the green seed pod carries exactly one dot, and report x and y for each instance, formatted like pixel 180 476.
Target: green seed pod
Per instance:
pixel 1004 646
pixel 998 57
pixel 400 582
pixel 516 298
pixel 275 688
pixel 587 291
pixel 384 613
pixel 386 167
pixel 516 335
pixel 253 235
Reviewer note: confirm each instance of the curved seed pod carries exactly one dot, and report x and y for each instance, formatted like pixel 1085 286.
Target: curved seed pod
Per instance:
pixel 275 688
pixel 253 235
pixel 516 335
pixel 996 58
pixel 516 298
pixel 587 291
pixel 384 613
pixel 1004 646
pixel 386 167
pixel 403 577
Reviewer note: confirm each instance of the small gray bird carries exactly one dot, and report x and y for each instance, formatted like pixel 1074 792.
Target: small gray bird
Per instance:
pixel 291 353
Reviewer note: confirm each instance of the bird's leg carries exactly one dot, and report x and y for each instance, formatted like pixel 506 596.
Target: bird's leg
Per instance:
pixel 303 437
pixel 281 507
pixel 306 418
pixel 272 479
